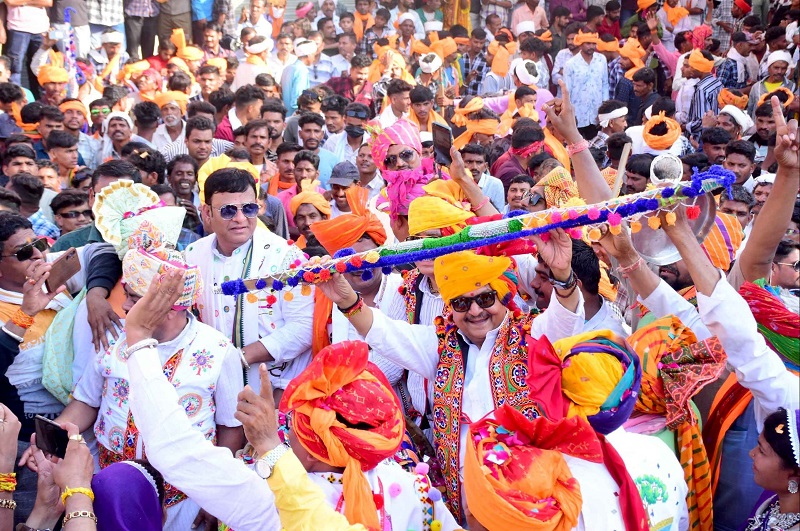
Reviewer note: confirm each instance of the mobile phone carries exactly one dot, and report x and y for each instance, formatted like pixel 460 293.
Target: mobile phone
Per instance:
pixel 56 35
pixel 64 268
pixel 50 437
pixel 442 142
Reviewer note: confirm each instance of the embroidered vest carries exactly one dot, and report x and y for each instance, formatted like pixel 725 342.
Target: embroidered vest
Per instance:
pixel 508 372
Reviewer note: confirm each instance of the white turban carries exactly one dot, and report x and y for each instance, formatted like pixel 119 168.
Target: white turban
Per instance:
pixel 739 116
pixel 603 119
pixel 520 69
pixel 430 63
pixel 404 17
pixel 112 37
pixel 261 47
pixel 433 25
pixel 779 55
pixel 527 26
pixel 305 48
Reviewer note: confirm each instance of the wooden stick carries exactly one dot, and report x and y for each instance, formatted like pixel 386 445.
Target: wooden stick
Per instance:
pixel 620 179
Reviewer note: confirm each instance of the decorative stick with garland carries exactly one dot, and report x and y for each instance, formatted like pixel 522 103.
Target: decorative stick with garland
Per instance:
pixel 516 224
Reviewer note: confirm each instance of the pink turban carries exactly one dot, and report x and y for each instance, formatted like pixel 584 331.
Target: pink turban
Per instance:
pixel 403 133
pixel 699 35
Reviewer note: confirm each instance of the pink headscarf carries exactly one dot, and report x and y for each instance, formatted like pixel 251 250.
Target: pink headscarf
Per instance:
pixel 699 35
pixel 403 133
pixel 303 9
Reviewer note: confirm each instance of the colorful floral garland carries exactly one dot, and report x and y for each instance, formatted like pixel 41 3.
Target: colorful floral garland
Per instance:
pixel 516 224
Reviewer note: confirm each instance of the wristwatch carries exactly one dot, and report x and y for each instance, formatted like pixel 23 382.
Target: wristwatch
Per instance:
pixel 566 284
pixel 266 464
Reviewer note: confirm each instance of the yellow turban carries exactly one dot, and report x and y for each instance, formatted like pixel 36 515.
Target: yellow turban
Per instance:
pixel 723 240
pixel 430 213
pixel 132 70
pixel 191 53
pixel 460 116
pixel 582 38
pixel 182 66
pixel 501 54
pixel 174 97
pixel 217 163
pixel 449 190
pixel 547 36
pixel 74 105
pixel 675 14
pixel 220 63
pixel 633 50
pixel 558 187
pixel 309 196
pixel 700 63
pixel 52 74
pixel 463 272
pixel 444 47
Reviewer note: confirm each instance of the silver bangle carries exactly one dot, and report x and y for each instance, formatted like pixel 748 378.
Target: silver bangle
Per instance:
pixel 244 360
pixel 144 343
pixel 12 334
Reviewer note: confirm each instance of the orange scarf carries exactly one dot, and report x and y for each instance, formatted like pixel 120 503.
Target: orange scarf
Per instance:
pixel 276 186
pixel 557 149
pixel 110 66
pixel 277 22
pixel 433 116
pixel 460 117
pixel 675 14
pixel 362 23
pixel 255 60
pixel 487 126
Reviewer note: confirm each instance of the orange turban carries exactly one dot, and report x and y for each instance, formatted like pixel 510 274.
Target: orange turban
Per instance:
pixel 723 240
pixel 582 38
pixel 700 63
pixel 557 149
pixel 633 51
pixel 530 486
pixel 74 105
pixel 611 46
pixel 644 4
pixel 501 53
pixel 546 36
pixel 132 70
pixel 52 74
pixel 460 117
pixel 664 141
pixel 185 52
pixel 488 126
pixel 172 97
pixel 462 40
pixel 444 47
pixel 789 100
pixel 182 66
pixel 339 390
pixel 346 229
pixel 559 187
pixel 309 196
pixel 726 97
pixel 675 14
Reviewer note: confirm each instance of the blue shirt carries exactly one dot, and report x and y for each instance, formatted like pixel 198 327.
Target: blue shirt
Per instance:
pixel 43 227
pixel 327 161
pixel 295 80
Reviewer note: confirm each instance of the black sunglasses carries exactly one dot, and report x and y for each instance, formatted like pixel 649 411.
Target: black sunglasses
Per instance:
pixel 391 161
pixel 25 252
pixel 356 114
pixel 484 300
pixel 227 212
pixel 77 213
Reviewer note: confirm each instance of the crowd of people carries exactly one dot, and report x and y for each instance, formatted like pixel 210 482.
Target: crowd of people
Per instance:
pixel 569 380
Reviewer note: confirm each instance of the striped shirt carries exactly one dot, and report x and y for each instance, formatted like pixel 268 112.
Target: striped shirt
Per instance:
pixel 704 100
pixel 170 151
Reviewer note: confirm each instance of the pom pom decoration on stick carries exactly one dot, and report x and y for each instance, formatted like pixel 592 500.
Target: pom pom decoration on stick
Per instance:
pixel 492 232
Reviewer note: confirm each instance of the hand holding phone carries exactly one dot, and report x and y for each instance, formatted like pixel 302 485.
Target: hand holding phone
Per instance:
pixel 442 142
pixel 50 437
pixel 63 269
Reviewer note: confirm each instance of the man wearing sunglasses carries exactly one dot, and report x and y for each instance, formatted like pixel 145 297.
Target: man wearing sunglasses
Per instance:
pixel 485 330
pixel 277 330
pixel 71 210
pixel 786 266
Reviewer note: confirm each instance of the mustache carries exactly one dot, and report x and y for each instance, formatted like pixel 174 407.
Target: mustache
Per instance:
pixel 483 316
pixel 670 269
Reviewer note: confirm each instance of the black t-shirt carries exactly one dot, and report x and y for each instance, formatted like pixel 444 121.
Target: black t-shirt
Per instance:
pixel 79 12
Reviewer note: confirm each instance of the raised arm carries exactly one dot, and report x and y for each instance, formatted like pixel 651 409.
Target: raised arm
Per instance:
pixel 756 259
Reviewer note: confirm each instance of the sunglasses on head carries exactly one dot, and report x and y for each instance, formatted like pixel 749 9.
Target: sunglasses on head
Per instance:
pixel 793 265
pixel 484 300
pixel 227 212
pixel 391 161
pixel 76 213
pixel 26 251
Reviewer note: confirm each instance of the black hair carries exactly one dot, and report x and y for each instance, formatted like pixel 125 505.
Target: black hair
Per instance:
pixel 308 156
pixel 161 189
pixel 351 17
pixel 68 198
pixel 9 93
pixel 159 479
pixel 559 11
pixel 359 108
pixel 208 69
pixel 17 138
pixel 645 75
pixel 335 104
pixel 615 143
pixel 221 98
pixel 265 80
pixel 383 13
pixel 594 11
pixel 10 200
pixel 246 95
pixel 179 82
pixel 116 169
pixel 572 28
pixel 538 160
pixel 610 105
pixel 114 93
pixel 196 107
pixel 784 248
pixel 149 160
pixel 697 160
pixel 32 112
pixel 421 94
pixel 523 91
pixel 522 178
pixel 28 187
pixel 397 86
pixel 146 113
pixel 321 22
pixel 287 147
pixel 360 61
pixel 60 139
pixel 642 29
pixel 774 33
pixel 715 136
pixel 525 136
pixel 780 439
pixel 310 118
pixel 233 63
pixel 478 33
pixel 639 164
pixel 182 159
pixel 18 150
pixel 10 224
pixel 167 44
pixel 586 266
pixel 741 147
pixel 228 180
pixel 474 149
pixel 764 110
pixel 51 113
pixel 599 155
pixel 252 125
pixel 529 46
pixel 740 194
pixel 349 35
pixel 274 105
pixel 200 123
pixel 238 154
pixel 45 164
pixel 681 37
pixel 613 5
pixel 101 102
pixel 796 212
pixel 664 104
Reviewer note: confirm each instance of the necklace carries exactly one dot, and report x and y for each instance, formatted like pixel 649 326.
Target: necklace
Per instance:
pixel 771 519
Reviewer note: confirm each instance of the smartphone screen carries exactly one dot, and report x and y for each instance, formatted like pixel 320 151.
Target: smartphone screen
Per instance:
pixel 442 142
pixel 50 437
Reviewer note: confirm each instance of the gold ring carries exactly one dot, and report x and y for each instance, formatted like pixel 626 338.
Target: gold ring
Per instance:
pixel 77 437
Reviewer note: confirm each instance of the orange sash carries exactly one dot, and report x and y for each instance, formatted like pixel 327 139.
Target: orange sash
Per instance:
pixel 110 66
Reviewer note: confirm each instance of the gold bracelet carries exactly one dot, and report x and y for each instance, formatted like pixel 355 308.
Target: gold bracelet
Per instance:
pixel 78 490
pixel 79 514
pixel 8 504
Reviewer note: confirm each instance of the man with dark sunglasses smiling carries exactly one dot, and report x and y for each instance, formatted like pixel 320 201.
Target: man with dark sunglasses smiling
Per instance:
pixel 461 353
pixel 269 328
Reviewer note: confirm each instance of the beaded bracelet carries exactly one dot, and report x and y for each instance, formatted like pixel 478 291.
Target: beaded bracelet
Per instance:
pixel 79 514
pixel 354 309
pixel 22 319
pixel 577 147
pixel 8 482
pixel 77 490
pixel 8 504
pixel 144 343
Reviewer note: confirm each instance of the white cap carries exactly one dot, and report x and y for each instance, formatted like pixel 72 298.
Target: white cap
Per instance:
pixel 779 55
pixel 112 37
pixel 425 136
pixel 527 26
pixel 117 114
pixel 265 46
pixel 405 17
pixel 433 25
pixel 525 70
pixel 739 116
pixel 305 48
pixel 430 63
